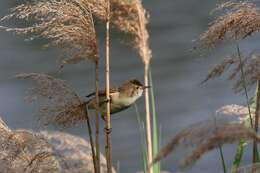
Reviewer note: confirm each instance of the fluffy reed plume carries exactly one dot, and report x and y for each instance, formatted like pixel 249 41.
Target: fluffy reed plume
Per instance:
pixel 61 104
pixel 67 24
pixel 236 110
pixel 44 152
pixel 128 16
pixel 228 134
pixel 23 151
pixel 194 135
pixel 251 71
pixel 220 68
pixel 240 19
pixel 73 153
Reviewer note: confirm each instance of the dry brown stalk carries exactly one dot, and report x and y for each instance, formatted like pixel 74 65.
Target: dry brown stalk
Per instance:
pixel 65 23
pixel 130 17
pixel 108 117
pixel 240 20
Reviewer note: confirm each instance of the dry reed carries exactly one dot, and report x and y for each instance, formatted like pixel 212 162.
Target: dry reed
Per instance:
pixel 44 152
pixel 67 24
pixel 251 70
pixel 236 110
pixel 240 19
pixel 61 105
pixel 194 135
pixel 230 133
pixel 23 151
pixel 128 16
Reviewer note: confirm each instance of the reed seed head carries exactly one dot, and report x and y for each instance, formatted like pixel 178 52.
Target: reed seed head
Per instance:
pixel 61 105
pixel 240 20
pixel 67 24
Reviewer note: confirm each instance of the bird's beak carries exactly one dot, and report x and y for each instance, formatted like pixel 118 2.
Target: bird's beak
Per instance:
pixel 145 87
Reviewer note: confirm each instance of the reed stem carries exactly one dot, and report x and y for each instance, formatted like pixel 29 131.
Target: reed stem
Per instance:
pixel 255 152
pixel 255 156
pixel 222 159
pixel 148 119
pixel 97 117
pixel 91 140
pixel 108 118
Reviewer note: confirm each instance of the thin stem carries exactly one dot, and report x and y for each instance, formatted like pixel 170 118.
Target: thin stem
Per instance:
pixel 91 140
pixel 108 118
pixel 244 85
pixel 156 167
pixel 142 138
pixel 257 119
pixel 254 159
pixel 222 159
pixel 97 117
pixel 148 120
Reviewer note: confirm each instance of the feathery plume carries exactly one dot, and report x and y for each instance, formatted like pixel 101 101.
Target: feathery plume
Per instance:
pixel 68 24
pixel 194 135
pixel 220 68
pixel 62 105
pixel 251 64
pixel 236 110
pixel 240 19
pixel 127 16
pixel 228 134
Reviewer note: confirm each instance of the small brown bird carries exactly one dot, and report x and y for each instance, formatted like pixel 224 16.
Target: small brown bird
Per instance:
pixel 121 97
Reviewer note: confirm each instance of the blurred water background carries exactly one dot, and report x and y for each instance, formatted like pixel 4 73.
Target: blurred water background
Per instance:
pixel 177 73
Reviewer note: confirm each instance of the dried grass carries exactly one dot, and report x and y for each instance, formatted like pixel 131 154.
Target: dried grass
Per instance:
pixel 61 105
pixel 194 135
pixel 220 68
pixel 236 110
pixel 228 134
pixel 204 136
pixel 68 24
pixel 240 20
pixel 24 151
pixel 251 64
pixel 128 16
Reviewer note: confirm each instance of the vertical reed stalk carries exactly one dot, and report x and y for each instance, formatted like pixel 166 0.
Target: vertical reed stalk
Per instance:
pixel 108 118
pixel 222 159
pixel 255 152
pixel 244 85
pixel 156 166
pixel 91 140
pixel 97 117
pixel 148 120
pixel 257 112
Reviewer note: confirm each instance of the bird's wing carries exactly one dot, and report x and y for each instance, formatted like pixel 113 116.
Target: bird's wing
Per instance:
pixel 103 92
